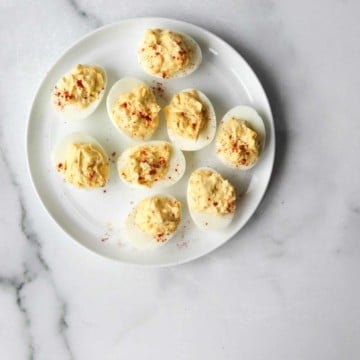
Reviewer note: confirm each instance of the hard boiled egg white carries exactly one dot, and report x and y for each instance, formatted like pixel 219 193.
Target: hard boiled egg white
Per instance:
pixel 72 112
pixel 254 120
pixel 122 86
pixel 59 152
pixel 195 60
pixel 207 134
pixel 139 239
pixel 175 172
pixel 211 222
pixel 205 221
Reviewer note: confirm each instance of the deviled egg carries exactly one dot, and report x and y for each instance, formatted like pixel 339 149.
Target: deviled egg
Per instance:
pixel 211 199
pixel 153 221
pixel 190 120
pixel 155 165
pixel 132 108
pixel 168 54
pixel 240 138
pixel 81 160
pixel 77 94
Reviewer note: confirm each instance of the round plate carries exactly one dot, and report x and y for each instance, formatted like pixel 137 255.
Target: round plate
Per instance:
pixel 95 218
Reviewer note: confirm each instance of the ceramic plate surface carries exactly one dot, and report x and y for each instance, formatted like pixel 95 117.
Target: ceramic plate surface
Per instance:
pixel 95 218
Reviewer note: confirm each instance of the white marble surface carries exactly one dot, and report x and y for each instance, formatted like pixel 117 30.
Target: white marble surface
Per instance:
pixel 287 287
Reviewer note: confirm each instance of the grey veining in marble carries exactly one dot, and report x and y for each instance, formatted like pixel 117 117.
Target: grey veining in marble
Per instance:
pixel 89 18
pixel 34 266
pixel 286 287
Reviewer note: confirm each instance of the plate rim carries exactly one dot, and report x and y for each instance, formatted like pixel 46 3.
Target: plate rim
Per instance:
pixel 34 101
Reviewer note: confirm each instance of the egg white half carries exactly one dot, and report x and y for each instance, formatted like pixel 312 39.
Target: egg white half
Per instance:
pixel 59 152
pixel 177 166
pixel 122 86
pixel 206 135
pixel 72 112
pixel 254 120
pixel 195 61
pixel 205 221
pixel 139 239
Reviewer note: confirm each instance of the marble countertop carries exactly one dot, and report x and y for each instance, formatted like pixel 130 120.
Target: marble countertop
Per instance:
pixel 286 287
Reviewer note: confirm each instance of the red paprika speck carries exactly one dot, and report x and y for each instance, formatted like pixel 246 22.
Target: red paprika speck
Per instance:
pixel 146 117
pixel 159 237
pixel 79 83
pixel 162 161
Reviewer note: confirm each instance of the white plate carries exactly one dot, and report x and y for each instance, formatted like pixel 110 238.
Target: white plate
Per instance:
pixel 95 219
